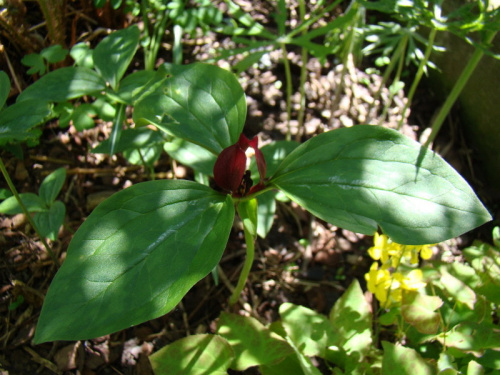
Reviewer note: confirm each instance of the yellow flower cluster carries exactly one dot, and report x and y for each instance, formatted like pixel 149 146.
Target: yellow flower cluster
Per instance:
pixel 387 286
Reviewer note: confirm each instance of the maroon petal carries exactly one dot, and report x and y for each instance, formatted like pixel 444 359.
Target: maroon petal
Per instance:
pixel 230 167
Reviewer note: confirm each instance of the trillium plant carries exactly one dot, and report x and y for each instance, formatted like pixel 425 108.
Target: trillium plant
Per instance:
pixel 141 250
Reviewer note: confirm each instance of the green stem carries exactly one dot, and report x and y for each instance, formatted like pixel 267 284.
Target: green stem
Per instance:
pixel 303 76
pixel 247 266
pixel 392 90
pixel 116 131
pixel 418 76
pixel 26 212
pixel 457 88
pixel 394 59
pixel 288 75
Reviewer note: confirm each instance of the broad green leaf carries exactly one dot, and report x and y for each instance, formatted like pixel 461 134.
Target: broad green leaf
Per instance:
pixel 114 53
pixel 289 365
pixel 4 88
pixel 310 331
pixel 133 85
pixel 131 139
pixel 265 212
pixel 193 355
pixel 146 155
pixel 49 222
pixel 51 185
pixel 457 289
pixel 82 54
pixel 403 361
pixel 83 116
pixel 200 103
pixel 366 176
pixel 135 257
pixel 64 84
pixel 191 155
pixel 18 119
pixel 485 260
pixel 33 203
pixel 253 344
pixel 351 320
pixel 472 337
pixel 420 311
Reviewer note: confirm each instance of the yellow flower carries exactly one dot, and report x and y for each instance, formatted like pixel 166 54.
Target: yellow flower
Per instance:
pixel 413 280
pixel 426 251
pixel 379 250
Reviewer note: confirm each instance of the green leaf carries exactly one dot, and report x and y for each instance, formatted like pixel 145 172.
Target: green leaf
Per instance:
pixel 49 222
pixel 191 155
pixel 54 54
pixel 401 360
pixel 4 88
pixel 252 343
pixel 82 54
pixel 351 319
pixel 366 176
pixel 83 116
pixel 35 62
pixel 247 210
pixel 310 331
pixel 201 103
pixel 51 186
pixel 193 355
pixel 64 84
pixel 420 311
pixel 18 119
pixel 114 53
pixel 472 337
pixel 33 203
pixel 457 289
pixel 133 85
pixel 265 212
pixel 131 139
pixel 135 257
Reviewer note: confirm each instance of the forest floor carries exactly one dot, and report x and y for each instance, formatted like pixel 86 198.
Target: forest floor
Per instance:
pixel 313 273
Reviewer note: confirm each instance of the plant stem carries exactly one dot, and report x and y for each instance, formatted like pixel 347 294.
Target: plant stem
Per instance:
pixel 392 89
pixel 26 212
pixel 288 75
pixel 303 76
pixel 247 266
pixel 394 59
pixel 418 76
pixel 457 88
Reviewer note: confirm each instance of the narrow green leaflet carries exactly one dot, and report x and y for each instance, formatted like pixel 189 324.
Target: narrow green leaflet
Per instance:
pixel 194 355
pixel 114 53
pixel 64 84
pixel 51 185
pixel 135 257
pixel 252 343
pixel 49 222
pixel 366 176
pixel 200 103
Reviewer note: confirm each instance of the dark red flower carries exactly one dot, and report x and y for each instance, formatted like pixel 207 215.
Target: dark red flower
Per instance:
pixel 231 164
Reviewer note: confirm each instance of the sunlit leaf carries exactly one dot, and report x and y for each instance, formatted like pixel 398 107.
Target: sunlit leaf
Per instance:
pixel 135 257
pixel 194 355
pixel 252 343
pixel 363 177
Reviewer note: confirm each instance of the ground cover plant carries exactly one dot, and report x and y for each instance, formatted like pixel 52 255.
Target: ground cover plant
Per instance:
pixel 141 250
